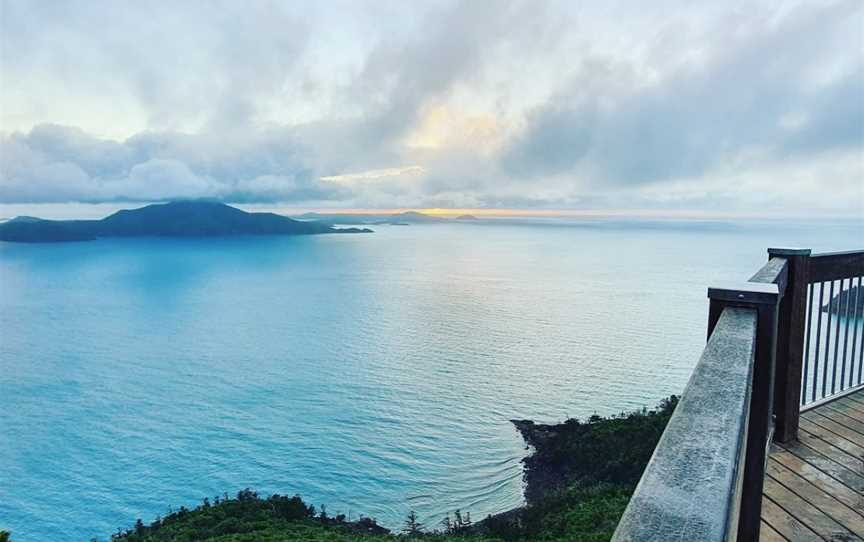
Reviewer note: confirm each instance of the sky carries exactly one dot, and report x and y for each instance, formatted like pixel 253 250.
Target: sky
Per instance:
pixel 734 107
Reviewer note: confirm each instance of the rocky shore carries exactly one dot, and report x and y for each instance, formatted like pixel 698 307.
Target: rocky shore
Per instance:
pixel 589 467
pixel 543 473
pixel 611 450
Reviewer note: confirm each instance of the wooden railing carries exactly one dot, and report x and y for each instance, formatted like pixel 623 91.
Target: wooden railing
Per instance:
pixel 704 481
pixel 833 350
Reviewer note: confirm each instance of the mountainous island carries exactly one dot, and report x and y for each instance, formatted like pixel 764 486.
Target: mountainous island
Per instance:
pixel 192 218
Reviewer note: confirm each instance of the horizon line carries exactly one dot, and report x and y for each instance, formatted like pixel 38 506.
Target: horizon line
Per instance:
pixel 57 210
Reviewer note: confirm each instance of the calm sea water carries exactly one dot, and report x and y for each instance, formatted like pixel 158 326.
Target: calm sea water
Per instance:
pixel 371 373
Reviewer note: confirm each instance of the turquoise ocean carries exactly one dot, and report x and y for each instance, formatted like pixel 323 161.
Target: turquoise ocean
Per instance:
pixel 374 374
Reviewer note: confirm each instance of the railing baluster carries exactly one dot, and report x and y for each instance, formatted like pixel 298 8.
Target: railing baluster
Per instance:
pixel 852 321
pixel 846 339
pixel 827 342
pixel 861 342
pixel 818 336
pixel 856 319
pixel 807 356
pixel 836 338
pixel 846 333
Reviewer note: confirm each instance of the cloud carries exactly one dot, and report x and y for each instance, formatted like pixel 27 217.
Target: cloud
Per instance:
pixel 61 164
pixel 157 179
pixel 441 103
pixel 163 65
pixel 608 127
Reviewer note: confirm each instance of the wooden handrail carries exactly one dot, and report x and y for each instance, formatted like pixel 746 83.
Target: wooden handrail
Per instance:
pixel 689 488
pixel 776 271
pixel 705 479
pixel 734 481
pixel 764 297
pixel 836 265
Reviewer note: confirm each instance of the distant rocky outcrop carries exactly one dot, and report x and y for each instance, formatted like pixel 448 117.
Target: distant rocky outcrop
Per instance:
pixel 397 219
pixel 192 218
pixel 414 217
pixel 847 300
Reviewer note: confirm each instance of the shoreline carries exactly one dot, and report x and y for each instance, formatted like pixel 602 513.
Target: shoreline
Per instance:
pixel 578 478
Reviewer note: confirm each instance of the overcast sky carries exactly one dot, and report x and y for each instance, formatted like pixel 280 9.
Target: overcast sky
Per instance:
pixel 711 106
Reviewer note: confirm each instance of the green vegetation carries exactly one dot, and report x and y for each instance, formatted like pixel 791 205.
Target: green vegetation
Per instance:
pixel 251 518
pixel 611 450
pixel 579 481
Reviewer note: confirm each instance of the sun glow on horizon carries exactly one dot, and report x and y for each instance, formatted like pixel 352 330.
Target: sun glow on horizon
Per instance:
pixel 376 174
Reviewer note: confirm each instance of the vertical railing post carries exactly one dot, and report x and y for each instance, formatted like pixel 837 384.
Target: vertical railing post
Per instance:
pixel 792 315
pixel 764 298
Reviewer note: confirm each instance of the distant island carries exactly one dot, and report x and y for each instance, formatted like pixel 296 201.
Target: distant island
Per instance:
pixel 192 218
pixel 846 303
pixel 396 219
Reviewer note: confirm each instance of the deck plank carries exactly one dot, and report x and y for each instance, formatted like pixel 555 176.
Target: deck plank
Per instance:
pixel 837 414
pixel 827 435
pixel 768 534
pixel 834 427
pixel 811 516
pixel 814 488
pixel 837 471
pixel 821 480
pixel 827 449
pixel 852 404
pixel 786 524
pixel 847 409
pixel 848 517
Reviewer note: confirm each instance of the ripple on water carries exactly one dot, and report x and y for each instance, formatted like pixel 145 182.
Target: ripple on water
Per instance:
pixel 374 375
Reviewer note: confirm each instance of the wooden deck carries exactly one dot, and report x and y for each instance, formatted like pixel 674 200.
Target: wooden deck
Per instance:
pixel 814 489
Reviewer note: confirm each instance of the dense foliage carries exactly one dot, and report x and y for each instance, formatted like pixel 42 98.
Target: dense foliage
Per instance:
pixel 251 517
pixel 614 449
pixel 611 450
pixel 601 459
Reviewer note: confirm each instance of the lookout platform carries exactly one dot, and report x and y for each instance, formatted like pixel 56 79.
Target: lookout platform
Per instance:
pixel 814 488
pixel 767 440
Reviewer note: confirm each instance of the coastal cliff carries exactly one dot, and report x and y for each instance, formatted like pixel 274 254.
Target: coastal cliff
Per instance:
pixel 611 450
